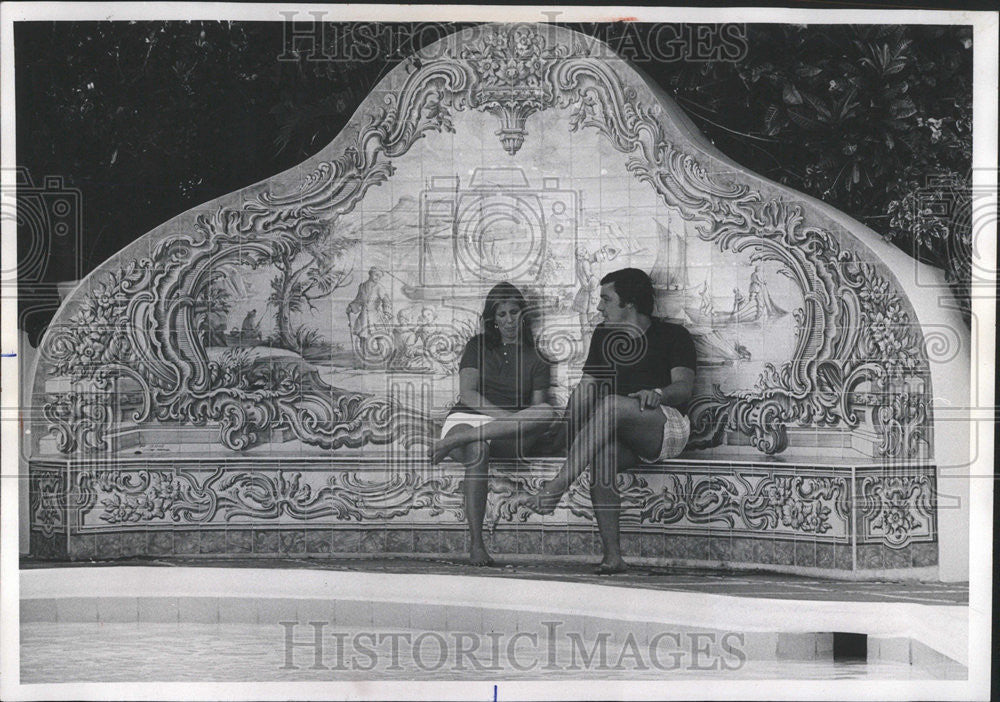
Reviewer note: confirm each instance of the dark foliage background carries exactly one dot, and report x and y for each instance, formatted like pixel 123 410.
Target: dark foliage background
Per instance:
pixel 150 119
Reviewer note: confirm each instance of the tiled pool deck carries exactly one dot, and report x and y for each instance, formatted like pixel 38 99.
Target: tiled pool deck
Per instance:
pixel 731 583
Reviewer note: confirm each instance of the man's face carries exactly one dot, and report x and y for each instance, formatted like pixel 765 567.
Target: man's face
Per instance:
pixel 610 305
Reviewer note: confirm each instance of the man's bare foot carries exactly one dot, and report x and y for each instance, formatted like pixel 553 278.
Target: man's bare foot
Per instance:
pixel 479 557
pixel 440 450
pixel 546 499
pixel 611 567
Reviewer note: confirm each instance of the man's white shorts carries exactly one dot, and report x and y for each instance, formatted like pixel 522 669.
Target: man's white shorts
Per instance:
pixel 676 431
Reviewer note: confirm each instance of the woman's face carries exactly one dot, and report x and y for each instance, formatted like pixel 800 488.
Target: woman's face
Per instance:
pixel 508 319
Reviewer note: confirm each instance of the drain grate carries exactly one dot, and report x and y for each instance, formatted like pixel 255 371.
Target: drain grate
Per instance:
pixel 850 647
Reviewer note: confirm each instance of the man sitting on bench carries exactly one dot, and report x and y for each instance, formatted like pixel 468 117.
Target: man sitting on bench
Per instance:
pixel 630 404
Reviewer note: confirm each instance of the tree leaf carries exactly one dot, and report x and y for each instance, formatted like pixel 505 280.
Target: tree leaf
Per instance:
pixel 790 95
pixel 817 104
pixel 902 108
pixel 803 121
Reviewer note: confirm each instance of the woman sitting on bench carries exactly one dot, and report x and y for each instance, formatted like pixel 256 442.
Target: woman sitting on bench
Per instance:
pixel 503 407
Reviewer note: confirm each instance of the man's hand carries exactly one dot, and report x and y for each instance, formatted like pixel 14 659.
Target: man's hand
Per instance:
pixel 648 399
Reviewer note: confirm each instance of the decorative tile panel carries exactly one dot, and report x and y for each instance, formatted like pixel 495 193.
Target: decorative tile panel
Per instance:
pixel 792 516
pixel 896 506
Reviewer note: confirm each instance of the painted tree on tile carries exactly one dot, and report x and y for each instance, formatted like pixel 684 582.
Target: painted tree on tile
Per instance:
pixel 302 278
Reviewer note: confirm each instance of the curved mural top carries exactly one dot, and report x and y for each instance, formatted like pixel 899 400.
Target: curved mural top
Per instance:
pixel 327 307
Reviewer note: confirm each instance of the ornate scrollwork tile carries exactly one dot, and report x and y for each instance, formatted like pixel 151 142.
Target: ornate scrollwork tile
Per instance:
pixel 47 501
pixel 196 496
pixel 897 510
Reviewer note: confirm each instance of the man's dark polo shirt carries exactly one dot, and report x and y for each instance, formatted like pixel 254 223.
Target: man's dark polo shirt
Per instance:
pixel 643 363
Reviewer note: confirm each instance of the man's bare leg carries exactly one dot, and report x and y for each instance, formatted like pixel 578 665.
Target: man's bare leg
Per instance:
pixel 641 431
pixel 607 505
pixel 596 431
pixel 582 403
pixel 581 452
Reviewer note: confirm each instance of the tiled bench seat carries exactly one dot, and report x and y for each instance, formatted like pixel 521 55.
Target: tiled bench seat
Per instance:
pixel 775 514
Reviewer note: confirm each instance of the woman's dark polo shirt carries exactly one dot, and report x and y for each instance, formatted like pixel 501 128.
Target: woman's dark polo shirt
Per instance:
pixel 506 380
pixel 642 363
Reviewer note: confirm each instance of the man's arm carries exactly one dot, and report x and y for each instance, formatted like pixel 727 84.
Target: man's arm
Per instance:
pixel 677 394
pixel 683 357
pixel 680 389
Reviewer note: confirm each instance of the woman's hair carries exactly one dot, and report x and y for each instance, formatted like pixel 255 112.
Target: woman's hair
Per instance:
pixel 505 292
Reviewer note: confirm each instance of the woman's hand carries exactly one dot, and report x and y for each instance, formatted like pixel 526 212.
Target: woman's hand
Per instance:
pixel 648 399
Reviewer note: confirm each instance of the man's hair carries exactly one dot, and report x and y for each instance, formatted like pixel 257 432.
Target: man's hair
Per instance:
pixel 632 285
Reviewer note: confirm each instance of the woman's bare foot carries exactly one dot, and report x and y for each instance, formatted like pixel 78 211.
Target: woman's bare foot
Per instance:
pixel 440 450
pixel 479 557
pixel 546 499
pixel 611 567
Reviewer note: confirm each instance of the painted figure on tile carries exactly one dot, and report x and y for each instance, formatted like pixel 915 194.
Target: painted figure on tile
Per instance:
pixel 504 403
pixel 370 314
pixel 428 320
pixel 406 352
pixel 759 298
pixel 424 330
pixel 738 301
pixel 630 405
pixel 250 329
pixel 585 300
pixel 705 305
pixel 756 304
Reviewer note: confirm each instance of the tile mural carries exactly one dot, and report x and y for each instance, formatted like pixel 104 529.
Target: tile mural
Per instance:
pixel 318 318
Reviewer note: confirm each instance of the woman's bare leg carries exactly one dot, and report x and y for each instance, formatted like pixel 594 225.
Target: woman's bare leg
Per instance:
pixel 530 419
pixel 476 457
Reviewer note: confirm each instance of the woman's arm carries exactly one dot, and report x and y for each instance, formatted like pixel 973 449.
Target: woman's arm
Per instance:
pixel 468 393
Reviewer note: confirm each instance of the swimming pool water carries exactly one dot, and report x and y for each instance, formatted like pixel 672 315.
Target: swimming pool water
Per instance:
pixel 187 652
